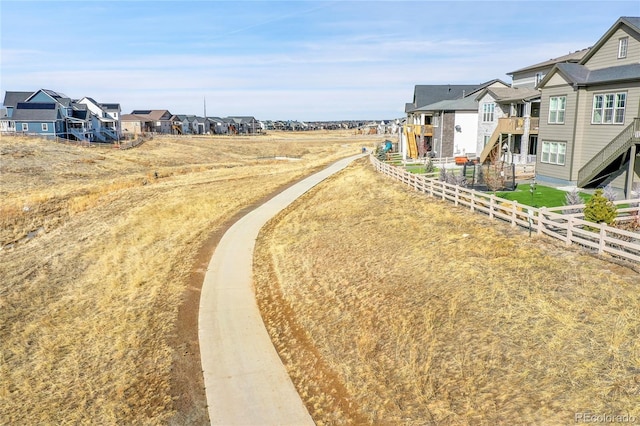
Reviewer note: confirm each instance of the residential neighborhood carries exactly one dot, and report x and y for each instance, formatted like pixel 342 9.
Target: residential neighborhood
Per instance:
pixel 575 117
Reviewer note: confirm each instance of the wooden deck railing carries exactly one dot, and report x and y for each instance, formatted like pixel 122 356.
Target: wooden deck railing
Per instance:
pixel 553 222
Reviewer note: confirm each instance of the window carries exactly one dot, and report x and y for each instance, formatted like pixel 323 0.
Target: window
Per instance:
pixel 623 44
pixel 45 127
pixel 539 77
pixel 554 153
pixel 487 112
pixel 557 105
pixel 486 140
pixel 25 127
pixel 608 108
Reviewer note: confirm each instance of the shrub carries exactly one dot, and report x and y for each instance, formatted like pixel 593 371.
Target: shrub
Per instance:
pixel 609 193
pixel 443 175
pixel 571 199
pixel 599 209
pixel 429 167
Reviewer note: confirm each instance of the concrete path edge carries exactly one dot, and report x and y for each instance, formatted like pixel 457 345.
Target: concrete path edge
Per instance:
pixel 245 380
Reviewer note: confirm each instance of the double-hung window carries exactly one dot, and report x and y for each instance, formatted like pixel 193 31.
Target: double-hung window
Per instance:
pixel 25 127
pixel 488 110
pixel 45 127
pixel 554 153
pixel 623 45
pixel 557 106
pixel 608 108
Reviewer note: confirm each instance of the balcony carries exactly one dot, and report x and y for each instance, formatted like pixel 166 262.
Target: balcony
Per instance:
pixel 420 129
pixel 517 125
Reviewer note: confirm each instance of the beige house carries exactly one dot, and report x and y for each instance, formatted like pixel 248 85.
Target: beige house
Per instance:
pixel 589 131
pixel 509 117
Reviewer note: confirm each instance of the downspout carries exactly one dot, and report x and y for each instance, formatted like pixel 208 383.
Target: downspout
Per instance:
pixel 441 122
pixel 573 141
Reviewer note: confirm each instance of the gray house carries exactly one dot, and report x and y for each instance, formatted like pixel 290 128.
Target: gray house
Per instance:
pixel 589 115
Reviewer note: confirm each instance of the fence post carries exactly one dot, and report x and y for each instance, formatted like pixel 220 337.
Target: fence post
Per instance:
pixel 492 202
pixel 431 187
pixel 603 235
pixel 569 230
pixel 473 201
pixel 514 212
pixel 443 189
pixel 457 195
pixel 540 216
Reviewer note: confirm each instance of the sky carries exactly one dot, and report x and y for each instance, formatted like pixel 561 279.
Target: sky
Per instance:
pixel 283 60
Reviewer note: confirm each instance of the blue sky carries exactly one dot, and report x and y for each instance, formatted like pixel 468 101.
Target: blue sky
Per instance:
pixel 289 60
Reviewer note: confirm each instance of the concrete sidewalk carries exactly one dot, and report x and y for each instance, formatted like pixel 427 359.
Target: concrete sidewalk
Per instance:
pixel 245 381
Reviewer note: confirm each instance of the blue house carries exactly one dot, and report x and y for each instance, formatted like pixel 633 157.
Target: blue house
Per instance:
pixel 50 114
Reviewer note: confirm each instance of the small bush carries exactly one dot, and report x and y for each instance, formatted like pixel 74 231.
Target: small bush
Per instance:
pixel 599 209
pixel 429 167
pixel 571 199
pixel 609 193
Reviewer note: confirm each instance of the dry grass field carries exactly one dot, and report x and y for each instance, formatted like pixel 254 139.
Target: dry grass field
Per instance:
pixel 101 258
pixel 391 308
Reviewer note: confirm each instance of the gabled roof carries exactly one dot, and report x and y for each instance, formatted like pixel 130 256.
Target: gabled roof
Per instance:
pixel 509 94
pixel 61 98
pixel 35 111
pixel 574 57
pixel 465 104
pixel 632 23
pixel 151 114
pixel 134 117
pixel 428 94
pixel 579 75
pixel 12 98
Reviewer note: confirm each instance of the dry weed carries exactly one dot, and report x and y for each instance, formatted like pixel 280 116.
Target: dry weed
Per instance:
pixel 88 305
pixel 423 313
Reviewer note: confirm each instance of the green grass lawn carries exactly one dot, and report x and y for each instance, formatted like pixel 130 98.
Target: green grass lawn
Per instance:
pixel 544 196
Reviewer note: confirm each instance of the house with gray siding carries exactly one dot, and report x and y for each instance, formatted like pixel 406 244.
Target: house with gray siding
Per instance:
pixel 589 133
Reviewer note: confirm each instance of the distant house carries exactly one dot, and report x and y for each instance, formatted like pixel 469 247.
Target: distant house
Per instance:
pixel 590 119
pixel 49 113
pixel 431 122
pixel 155 120
pixel 105 119
pixel 11 100
pixel 243 124
pixel 218 126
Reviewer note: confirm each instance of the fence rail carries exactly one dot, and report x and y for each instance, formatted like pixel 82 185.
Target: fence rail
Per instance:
pixel 556 222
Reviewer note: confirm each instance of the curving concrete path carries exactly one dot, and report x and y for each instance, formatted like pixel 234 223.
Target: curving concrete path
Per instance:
pixel 245 381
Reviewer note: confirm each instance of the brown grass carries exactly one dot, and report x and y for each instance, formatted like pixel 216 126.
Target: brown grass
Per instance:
pixel 393 308
pixel 96 250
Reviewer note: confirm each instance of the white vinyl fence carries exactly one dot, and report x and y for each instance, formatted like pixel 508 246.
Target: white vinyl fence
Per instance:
pixel 554 222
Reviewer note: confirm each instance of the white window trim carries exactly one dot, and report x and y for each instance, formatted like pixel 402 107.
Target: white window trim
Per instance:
pixel 554 153
pixel 45 127
pixel 623 47
pixel 557 110
pixel 488 112
pixel 25 127
pixel 617 112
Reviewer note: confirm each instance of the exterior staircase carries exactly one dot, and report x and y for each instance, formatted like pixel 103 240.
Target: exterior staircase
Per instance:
pixel 506 126
pixel 595 169
pixel 79 134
